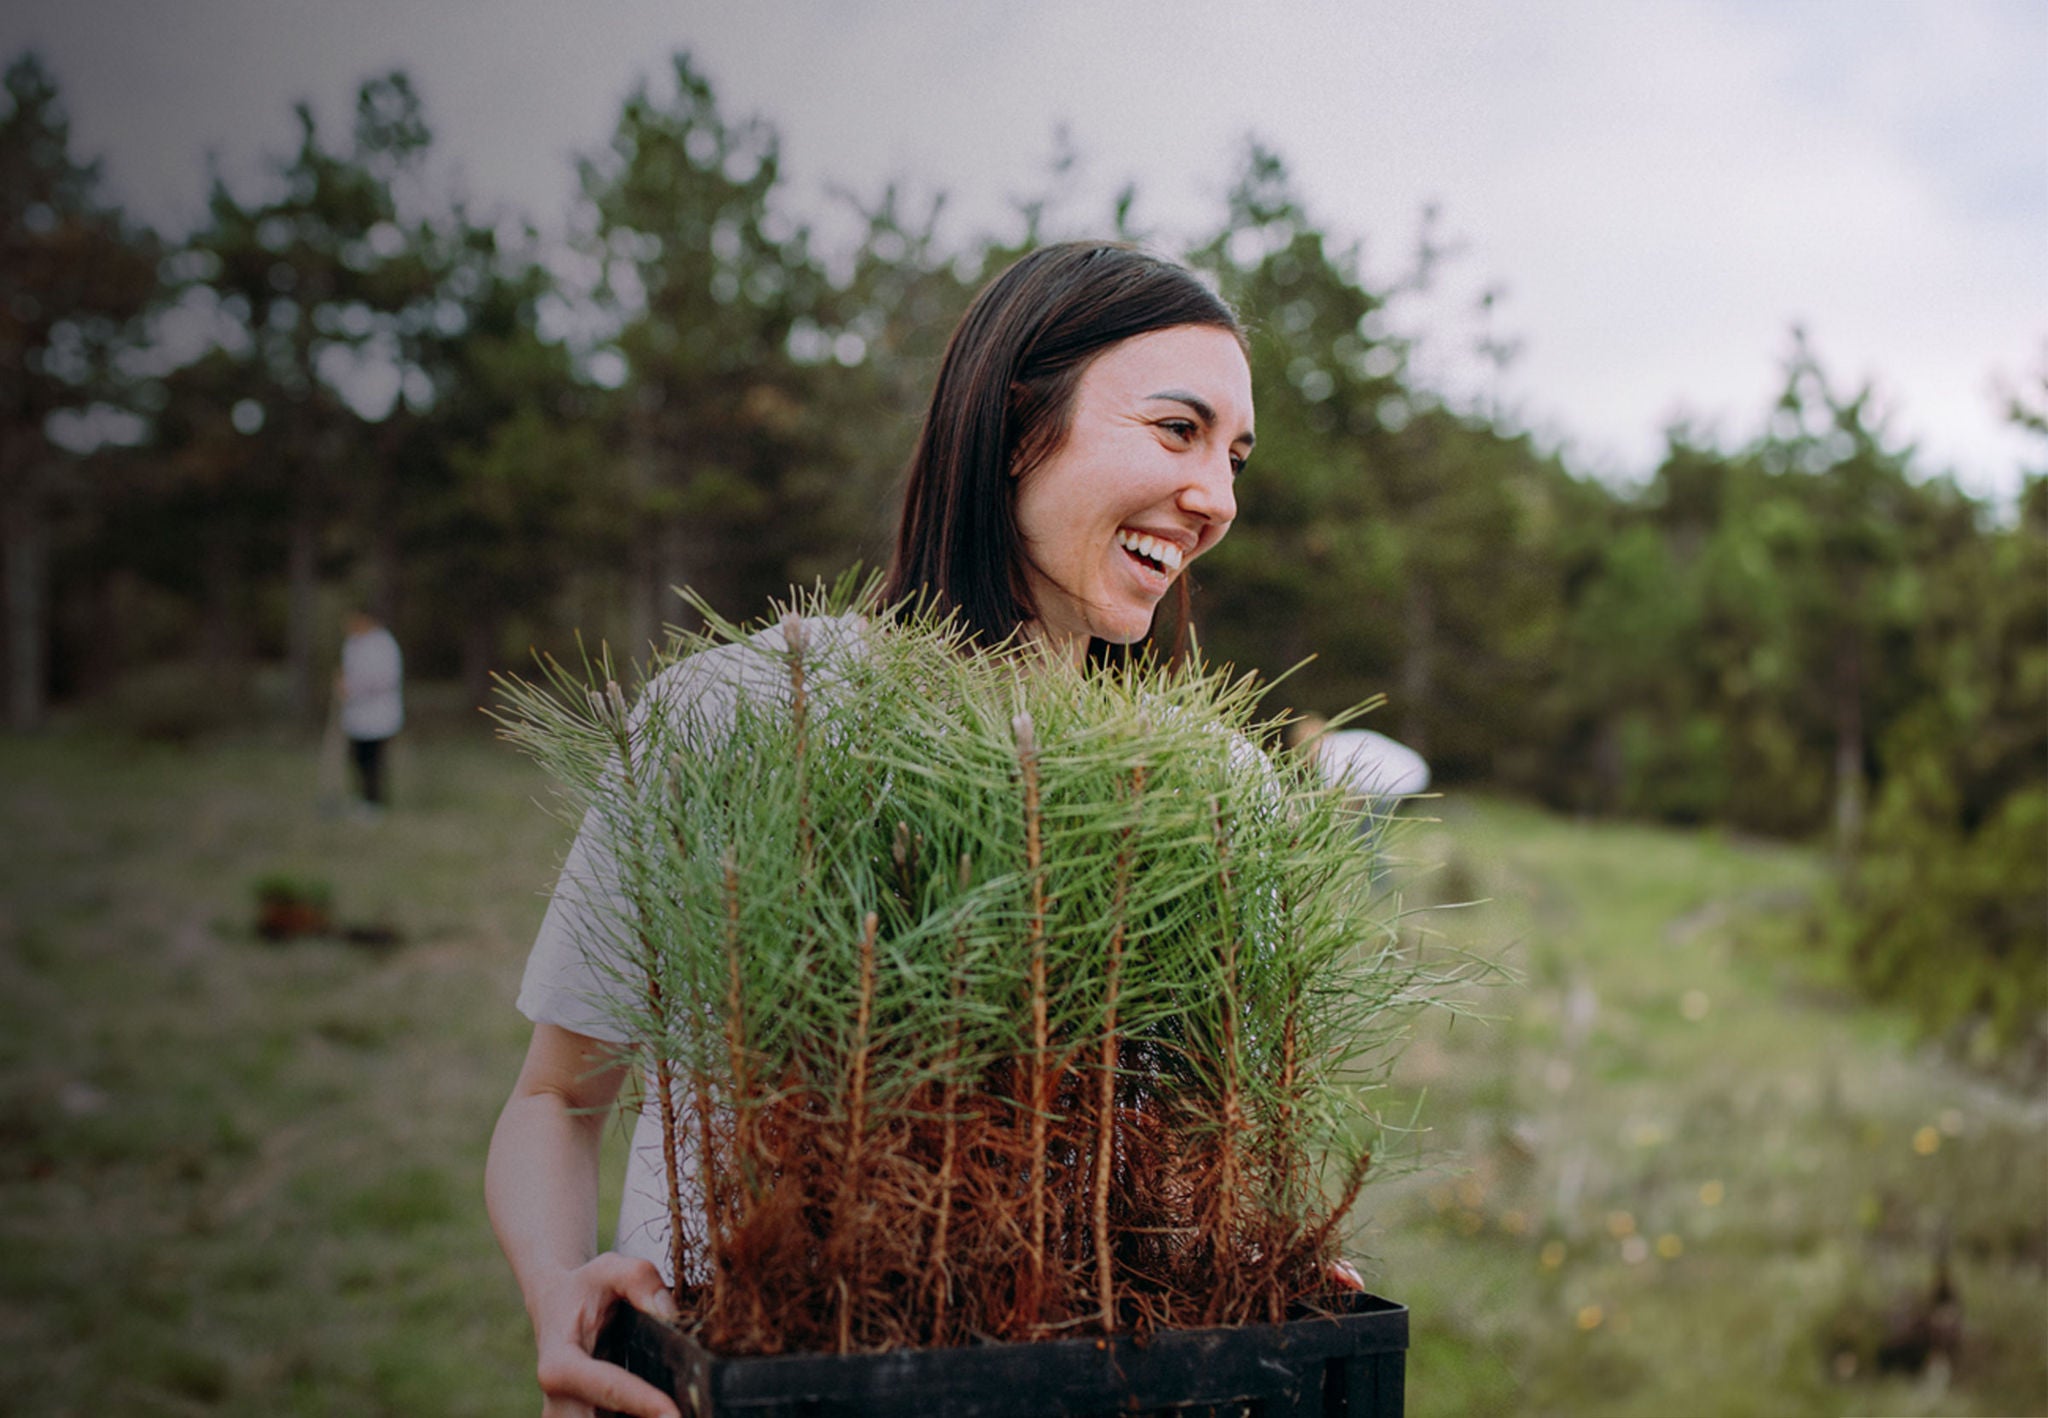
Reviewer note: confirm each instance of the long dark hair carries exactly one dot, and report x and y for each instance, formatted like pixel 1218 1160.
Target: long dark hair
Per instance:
pixel 1003 403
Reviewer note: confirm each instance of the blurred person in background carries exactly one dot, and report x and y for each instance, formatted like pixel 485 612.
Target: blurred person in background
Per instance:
pixel 369 695
pixel 1375 770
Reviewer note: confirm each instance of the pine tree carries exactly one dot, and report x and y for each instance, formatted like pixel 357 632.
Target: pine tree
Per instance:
pixel 74 278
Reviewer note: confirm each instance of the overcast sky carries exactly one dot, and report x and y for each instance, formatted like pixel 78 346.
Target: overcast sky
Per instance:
pixel 1662 189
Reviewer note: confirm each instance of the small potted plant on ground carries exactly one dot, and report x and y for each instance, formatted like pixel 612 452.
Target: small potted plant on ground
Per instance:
pixel 1009 1032
pixel 288 907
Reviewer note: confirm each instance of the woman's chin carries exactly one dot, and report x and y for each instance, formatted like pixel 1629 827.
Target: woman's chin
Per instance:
pixel 1122 623
pixel 1122 629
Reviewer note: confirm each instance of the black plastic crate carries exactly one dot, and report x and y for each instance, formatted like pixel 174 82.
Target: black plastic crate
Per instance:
pixel 1350 1365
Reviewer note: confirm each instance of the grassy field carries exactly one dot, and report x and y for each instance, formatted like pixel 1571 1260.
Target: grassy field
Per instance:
pixel 1672 1177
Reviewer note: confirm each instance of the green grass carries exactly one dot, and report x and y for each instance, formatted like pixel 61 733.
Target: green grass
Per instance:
pixel 241 1178
pixel 1673 1176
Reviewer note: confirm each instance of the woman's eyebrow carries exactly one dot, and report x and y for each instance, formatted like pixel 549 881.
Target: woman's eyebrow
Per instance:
pixel 1202 410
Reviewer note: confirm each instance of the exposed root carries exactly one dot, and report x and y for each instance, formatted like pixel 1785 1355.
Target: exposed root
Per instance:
pixel 853 1240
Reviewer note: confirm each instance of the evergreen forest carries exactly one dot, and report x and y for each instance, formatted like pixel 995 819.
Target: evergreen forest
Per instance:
pixel 343 387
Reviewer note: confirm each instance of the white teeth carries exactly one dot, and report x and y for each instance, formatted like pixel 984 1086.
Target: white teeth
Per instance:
pixel 1165 553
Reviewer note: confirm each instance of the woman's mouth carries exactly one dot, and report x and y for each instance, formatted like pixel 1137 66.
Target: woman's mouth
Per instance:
pixel 1161 557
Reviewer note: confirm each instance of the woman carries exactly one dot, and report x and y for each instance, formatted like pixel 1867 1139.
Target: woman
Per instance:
pixel 1090 417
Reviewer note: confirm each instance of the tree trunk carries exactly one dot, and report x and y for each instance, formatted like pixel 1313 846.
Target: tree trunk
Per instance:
pixel 644 572
pixel 479 649
pixel 221 644
pixel 1606 787
pixel 24 545
pixel 302 573
pixel 380 521
pixel 1850 787
pixel 678 568
pixel 1418 666
pixel 380 591
pixel 102 640
pixel 643 591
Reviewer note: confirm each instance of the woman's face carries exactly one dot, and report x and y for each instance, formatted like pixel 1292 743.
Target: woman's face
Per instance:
pixel 1142 485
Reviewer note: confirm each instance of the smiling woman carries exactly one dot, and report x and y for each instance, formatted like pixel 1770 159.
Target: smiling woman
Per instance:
pixel 1140 486
pixel 1089 417
pixel 1088 421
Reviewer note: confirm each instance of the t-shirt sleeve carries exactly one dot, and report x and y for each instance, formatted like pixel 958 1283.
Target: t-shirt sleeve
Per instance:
pixel 582 974
pixel 577 975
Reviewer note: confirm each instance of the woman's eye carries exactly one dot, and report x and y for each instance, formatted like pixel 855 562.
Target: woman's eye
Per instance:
pixel 1237 461
pixel 1183 429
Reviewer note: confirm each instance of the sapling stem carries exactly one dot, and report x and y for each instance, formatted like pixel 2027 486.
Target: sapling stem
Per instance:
pixel 1027 762
pixel 903 851
pixel 707 1166
pixel 611 712
pixel 1232 1118
pixel 949 1126
pixel 745 1104
pixel 736 1016
pixel 1284 1143
pixel 1354 1182
pixel 856 1115
pixel 1105 1103
pixel 795 636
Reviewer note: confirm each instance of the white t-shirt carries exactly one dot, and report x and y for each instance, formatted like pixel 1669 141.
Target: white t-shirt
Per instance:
pixel 1370 765
pixel 372 673
pixel 578 972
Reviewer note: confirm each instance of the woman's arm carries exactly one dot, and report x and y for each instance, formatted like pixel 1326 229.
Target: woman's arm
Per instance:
pixel 541 1187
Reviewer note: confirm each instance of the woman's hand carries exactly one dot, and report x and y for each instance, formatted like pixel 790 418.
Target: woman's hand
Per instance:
pixel 567 1314
pixel 541 1183
pixel 1344 1275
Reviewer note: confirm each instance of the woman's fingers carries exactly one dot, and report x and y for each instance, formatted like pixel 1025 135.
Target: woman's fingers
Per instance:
pixel 577 1385
pixel 635 1281
pixel 1344 1275
pixel 574 1383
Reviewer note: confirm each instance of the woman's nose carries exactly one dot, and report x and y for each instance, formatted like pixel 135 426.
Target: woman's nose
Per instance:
pixel 1212 493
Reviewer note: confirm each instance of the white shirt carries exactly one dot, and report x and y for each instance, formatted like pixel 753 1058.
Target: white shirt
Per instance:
pixel 372 671
pixel 1370 765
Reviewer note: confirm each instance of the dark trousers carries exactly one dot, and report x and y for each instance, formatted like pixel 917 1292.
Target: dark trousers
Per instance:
pixel 369 757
